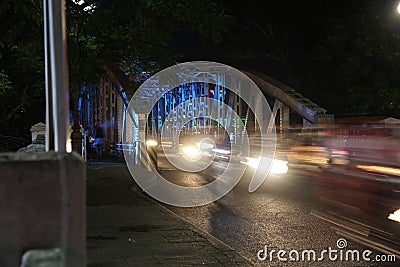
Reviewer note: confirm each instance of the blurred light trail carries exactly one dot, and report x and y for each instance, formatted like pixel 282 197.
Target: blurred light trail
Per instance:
pixel 278 166
pixel 395 216
pixel 380 169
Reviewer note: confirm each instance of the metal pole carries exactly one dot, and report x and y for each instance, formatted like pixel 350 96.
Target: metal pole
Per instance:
pixel 59 72
pixel 49 119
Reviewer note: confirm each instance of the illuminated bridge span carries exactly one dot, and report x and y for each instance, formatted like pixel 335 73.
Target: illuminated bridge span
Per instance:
pixel 289 106
pixel 191 99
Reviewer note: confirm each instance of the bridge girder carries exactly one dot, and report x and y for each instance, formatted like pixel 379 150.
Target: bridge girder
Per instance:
pixel 303 106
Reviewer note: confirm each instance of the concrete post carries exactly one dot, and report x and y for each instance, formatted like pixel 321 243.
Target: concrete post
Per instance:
pixel 42 206
pixel 38 129
pixel 76 139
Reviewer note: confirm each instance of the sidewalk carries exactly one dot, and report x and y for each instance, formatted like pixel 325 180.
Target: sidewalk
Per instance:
pixel 127 228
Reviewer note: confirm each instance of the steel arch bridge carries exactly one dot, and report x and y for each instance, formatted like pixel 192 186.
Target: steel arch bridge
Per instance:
pixel 285 99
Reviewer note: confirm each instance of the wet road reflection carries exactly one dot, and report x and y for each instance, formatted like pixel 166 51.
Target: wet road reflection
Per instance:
pixel 333 189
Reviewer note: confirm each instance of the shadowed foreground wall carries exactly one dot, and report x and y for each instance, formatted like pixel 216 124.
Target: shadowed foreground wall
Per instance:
pixel 42 205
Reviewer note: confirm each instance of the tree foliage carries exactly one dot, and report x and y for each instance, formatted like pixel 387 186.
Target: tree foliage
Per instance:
pixel 133 34
pixel 353 70
pixel 21 66
pixel 356 69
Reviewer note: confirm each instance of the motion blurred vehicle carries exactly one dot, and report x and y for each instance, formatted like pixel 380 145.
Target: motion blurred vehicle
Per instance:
pixel 374 144
pixel 308 151
pixel 308 155
pixel 359 188
pixel 193 147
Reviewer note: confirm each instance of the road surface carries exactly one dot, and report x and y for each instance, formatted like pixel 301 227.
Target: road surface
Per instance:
pixel 276 217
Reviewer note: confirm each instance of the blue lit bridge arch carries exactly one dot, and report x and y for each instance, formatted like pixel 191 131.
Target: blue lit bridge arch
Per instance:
pixel 284 100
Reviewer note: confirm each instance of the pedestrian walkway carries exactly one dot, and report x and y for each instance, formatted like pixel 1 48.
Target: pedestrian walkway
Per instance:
pixel 127 228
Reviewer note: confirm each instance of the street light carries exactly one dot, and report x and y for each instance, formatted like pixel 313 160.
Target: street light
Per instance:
pixel 398 8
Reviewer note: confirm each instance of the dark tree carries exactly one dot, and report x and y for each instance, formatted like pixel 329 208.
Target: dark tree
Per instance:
pixel 132 35
pixel 356 69
pixel 21 66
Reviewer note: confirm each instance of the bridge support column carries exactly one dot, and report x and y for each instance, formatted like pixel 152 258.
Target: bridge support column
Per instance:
pixel 146 152
pixel 284 118
pixel 151 146
pixel 140 124
pixel 307 124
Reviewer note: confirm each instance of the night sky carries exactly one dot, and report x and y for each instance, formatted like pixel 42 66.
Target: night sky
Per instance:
pixel 304 19
pixel 279 38
pixel 298 26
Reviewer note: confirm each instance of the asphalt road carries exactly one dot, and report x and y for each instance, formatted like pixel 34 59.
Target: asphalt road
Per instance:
pixel 278 216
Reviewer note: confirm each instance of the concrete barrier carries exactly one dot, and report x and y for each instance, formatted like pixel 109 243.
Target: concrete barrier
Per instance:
pixel 42 206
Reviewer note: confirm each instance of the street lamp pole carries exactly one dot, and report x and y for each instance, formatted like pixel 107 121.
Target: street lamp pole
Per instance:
pixel 57 109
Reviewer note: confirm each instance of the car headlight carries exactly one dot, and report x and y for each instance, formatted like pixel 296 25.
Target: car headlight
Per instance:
pixel 252 162
pixel 278 166
pixel 395 216
pixel 151 142
pixel 191 152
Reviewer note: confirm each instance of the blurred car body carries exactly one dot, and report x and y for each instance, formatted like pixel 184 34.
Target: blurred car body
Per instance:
pixel 359 187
